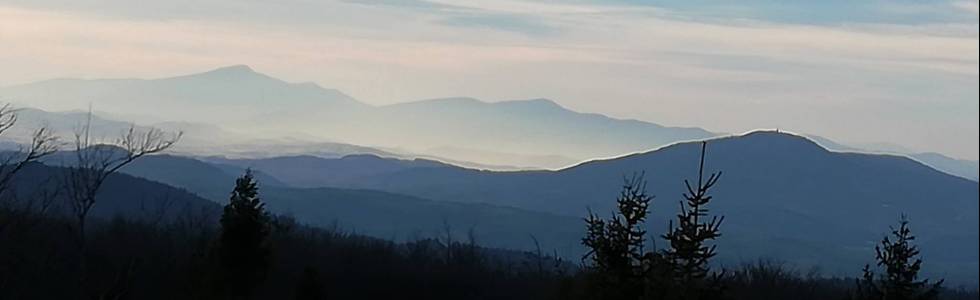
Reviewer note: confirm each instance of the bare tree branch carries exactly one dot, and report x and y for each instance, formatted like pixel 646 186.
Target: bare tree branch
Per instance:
pixel 95 162
pixel 43 143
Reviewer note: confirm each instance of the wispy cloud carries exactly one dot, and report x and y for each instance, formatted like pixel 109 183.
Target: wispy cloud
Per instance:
pixel 513 23
pixel 827 12
pixel 968 6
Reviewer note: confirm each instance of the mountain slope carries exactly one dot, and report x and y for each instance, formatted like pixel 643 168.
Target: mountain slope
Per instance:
pixel 312 171
pixel 121 195
pixel 830 207
pixel 374 213
pixel 969 169
pixel 401 218
pixel 521 161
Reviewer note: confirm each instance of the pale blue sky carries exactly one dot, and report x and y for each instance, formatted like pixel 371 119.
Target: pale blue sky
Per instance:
pixel 903 72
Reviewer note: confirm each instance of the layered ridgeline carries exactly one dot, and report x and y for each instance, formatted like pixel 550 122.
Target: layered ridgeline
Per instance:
pixel 783 196
pixel 196 137
pixel 457 128
pixel 969 169
pixel 214 142
pixel 375 213
pixel 207 140
pixel 237 111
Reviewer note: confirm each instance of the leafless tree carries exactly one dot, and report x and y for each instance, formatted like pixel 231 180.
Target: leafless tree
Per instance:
pixel 538 256
pixel 447 229
pixel 42 143
pixel 94 162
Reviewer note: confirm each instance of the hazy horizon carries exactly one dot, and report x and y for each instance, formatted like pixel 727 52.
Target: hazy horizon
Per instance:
pixel 871 146
pixel 879 72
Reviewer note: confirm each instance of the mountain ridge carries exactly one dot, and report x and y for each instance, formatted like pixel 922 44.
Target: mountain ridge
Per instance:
pixel 239 97
pixel 769 178
pixel 830 206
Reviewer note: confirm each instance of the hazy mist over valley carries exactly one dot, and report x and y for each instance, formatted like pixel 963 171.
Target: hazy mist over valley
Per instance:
pixel 489 150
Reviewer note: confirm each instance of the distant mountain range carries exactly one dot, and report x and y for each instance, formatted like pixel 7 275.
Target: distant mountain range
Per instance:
pixel 200 139
pixel 960 167
pixel 196 136
pixel 968 169
pixel 248 114
pixel 375 213
pixel 234 93
pixel 783 196
pixel 537 127
pixel 248 102
pixel 214 142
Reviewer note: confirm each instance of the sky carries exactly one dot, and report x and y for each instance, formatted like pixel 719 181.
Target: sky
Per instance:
pixel 899 72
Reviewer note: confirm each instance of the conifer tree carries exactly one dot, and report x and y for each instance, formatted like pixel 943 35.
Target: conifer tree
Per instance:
pixel 688 253
pixel 243 250
pixel 900 259
pixel 616 245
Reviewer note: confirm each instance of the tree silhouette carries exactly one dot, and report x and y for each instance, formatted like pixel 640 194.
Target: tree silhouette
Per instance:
pixel 900 259
pixel 616 246
pixel 42 143
pixel 93 163
pixel 243 250
pixel 688 255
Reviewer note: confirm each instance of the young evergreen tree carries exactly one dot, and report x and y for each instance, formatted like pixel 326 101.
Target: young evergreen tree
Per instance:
pixel 899 257
pixel 618 261
pixel 688 253
pixel 243 251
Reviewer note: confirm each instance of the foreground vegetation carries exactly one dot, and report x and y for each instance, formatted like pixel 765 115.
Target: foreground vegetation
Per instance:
pixel 179 259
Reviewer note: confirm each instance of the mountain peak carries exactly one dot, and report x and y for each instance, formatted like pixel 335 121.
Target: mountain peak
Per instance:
pixel 537 102
pixel 757 141
pixel 776 135
pixel 772 133
pixel 233 71
pixel 769 141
